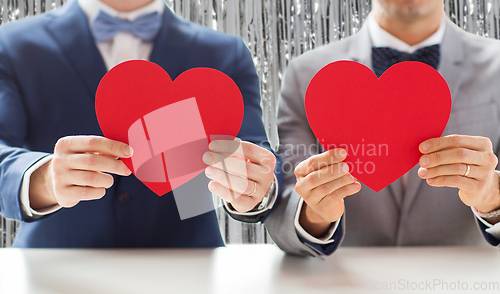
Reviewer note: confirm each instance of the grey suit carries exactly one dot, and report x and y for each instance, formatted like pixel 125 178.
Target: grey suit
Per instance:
pixel 420 215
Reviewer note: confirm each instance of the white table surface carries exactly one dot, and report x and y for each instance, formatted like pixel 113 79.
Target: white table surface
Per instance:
pixel 256 269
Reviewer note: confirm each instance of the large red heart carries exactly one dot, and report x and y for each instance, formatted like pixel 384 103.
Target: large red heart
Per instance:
pixel 169 124
pixel 380 122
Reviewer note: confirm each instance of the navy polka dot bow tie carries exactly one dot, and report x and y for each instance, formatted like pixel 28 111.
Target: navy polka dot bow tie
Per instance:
pixel 384 57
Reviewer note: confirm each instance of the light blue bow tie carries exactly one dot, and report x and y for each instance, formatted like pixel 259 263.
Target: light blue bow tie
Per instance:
pixel 145 27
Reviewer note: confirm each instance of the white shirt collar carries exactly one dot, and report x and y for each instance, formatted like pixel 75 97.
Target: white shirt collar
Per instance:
pixel 381 38
pixel 92 7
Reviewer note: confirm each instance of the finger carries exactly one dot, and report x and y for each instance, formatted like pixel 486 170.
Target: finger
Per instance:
pixel 241 203
pixel 110 156
pixel 75 194
pixel 341 193
pixel 238 184
pixel 456 169
pixel 94 144
pixel 318 193
pixel 455 141
pixel 234 165
pixel 87 193
pixel 226 193
pixel 256 177
pixel 319 161
pixel 245 203
pixel 98 163
pixel 248 150
pixel 468 184
pixel 89 179
pixel 324 175
pixel 450 156
pixel 332 200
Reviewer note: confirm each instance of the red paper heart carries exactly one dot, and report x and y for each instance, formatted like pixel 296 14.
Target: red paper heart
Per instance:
pixel 380 122
pixel 169 124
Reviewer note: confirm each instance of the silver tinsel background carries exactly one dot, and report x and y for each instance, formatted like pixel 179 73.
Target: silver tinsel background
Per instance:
pixel 276 31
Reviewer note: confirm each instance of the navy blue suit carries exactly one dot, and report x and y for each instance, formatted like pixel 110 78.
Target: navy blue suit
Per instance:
pixel 50 68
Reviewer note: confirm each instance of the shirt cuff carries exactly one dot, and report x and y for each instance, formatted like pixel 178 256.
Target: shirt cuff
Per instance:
pixel 493 230
pixel 24 193
pixel 327 239
pixel 270 204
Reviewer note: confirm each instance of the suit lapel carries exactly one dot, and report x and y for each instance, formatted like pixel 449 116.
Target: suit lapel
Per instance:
pixel 451 68
pixel 412 187
pixel 173 43
pixel 452 57
pixel 360 49
pixel 70 29
pixel 397 191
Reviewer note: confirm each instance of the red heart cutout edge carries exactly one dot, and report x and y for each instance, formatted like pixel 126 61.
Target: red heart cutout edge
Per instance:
pixel 379 121
pixel 134 89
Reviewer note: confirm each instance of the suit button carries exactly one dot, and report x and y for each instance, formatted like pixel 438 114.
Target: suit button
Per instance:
pixel 124 199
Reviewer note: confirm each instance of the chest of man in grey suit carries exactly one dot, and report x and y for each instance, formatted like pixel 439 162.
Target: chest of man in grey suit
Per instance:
pixel 424 207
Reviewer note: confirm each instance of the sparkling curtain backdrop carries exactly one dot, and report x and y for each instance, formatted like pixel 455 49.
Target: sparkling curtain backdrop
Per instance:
pixel 275 31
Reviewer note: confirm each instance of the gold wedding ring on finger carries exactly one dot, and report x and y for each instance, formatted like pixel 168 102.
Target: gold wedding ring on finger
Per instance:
pixel 254 187
pixel 467 171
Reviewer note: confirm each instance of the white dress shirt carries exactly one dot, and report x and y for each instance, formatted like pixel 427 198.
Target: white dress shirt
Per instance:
pixel 124 46
pixel 381 38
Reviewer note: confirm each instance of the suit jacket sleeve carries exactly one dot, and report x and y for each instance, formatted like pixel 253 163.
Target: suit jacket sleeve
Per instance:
pixel 14 159
pixel 297 144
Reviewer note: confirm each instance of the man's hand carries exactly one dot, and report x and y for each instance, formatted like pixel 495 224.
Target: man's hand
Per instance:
pixel 445 163
pixel 80 170
pixel 241 172
pixel 323 181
